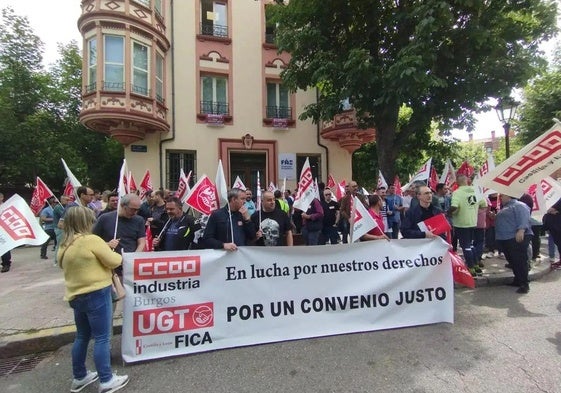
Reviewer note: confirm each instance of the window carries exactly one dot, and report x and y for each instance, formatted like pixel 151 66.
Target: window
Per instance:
pixel 158 7
pixel 114 76
pixel 270 27
pixel 159 78
pixel 145 3
pixel 214 18
pixel 214 95
pixel 140 69
pixel 92 65
pixel 277 102
pixel 177 160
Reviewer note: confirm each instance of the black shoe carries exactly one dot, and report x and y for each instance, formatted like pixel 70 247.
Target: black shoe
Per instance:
pixel 44 257
pixel 513 284
pixel 523 289
pixel 5 269
pixel 508 266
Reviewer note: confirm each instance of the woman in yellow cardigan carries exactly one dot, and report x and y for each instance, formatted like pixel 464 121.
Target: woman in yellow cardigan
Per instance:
pixel 87 262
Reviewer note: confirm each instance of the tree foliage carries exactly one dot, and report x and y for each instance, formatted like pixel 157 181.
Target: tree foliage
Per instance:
pixel 442 59
pixel 542 103
pixel 39 112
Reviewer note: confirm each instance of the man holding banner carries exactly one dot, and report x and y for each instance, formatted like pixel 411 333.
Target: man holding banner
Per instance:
pixel 230 226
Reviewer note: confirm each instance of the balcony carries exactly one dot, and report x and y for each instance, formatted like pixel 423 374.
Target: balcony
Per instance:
pixel 344 130
pixel 125 112
pixel 214 112
pixel 279 112
pixel 214 30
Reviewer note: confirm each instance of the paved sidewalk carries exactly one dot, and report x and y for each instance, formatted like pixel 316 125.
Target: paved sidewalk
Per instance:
pixel 35 318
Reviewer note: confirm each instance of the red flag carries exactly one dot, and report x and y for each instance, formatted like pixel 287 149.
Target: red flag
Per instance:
pixel 40 195
pixel 331 183
pixel 145 185
pixel 433 180
pixel 69 191
pixel 149 246
pixel 202 196
pixel 460 272
pixel 465 169
pixel 132 184
pixel 340 192
pixel 436 224
pixel 397 185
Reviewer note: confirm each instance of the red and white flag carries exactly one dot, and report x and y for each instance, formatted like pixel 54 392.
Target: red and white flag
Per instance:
pixel 69 190
pixel 397 185
pixel 238 183
pixel 551 191
pixel 272 187
pixel 132 183
pixel 183 185
pixel 331 183
pixel 423 173
pixel 433 180
pixel 361 220
pixel 149 245
pixel 18 225
pixel 340 191
pixel 145 185
pixel 448 176
pixel 528 166
pixel 460 272
pixel 539 207
pixel 123 187
pixel 436 224
pixel 72 180
pixel 221 187
pixel 40 195
pixel 381 181
pixel 202 196
pixel 465 169
pixel 306 190
pixel 488 165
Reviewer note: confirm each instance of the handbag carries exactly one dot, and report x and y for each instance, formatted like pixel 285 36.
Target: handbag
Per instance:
pixel 119 291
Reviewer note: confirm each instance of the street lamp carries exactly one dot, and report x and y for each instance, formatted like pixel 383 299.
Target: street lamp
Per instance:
pixel 506 109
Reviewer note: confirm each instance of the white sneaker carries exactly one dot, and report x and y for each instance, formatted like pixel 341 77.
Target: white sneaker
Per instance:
pixel 116 383
pixel 79 384
pixel 483 256
pixel 490 254
pixel 496 254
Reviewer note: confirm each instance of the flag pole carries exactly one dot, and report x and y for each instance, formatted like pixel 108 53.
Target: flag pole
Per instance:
pixel 231 224
pixel 353 216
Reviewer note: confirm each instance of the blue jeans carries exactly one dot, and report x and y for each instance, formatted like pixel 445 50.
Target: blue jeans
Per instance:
pixel 329 234
pixel 93 317
pixel 311 238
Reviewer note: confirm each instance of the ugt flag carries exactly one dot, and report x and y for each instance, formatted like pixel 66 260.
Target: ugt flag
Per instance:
pixel 18 225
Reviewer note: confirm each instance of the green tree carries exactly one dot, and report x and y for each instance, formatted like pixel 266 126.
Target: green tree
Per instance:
pixel 542 103
pixel 39 113
pixel 442 59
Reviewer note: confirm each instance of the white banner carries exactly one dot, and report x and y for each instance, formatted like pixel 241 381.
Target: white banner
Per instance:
pixel 185 302
pixel 528 166
pixel 18 225
pixel 287 166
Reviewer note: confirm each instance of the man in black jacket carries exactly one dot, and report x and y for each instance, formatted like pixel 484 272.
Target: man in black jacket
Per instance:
pixel 230 226
pixel 420 212
pixel 179 228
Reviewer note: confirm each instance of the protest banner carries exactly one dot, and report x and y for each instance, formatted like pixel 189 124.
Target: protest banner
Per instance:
pixel 183 302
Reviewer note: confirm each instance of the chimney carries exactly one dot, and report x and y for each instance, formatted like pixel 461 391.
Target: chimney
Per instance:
pixel 493 136
pixel 470 135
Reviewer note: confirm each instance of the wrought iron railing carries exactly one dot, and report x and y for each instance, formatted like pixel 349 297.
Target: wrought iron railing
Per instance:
pixel 214 108
pixel 279 112
pixel 91 87
pixel 140 90
pixel 215 30
pixel 114 86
